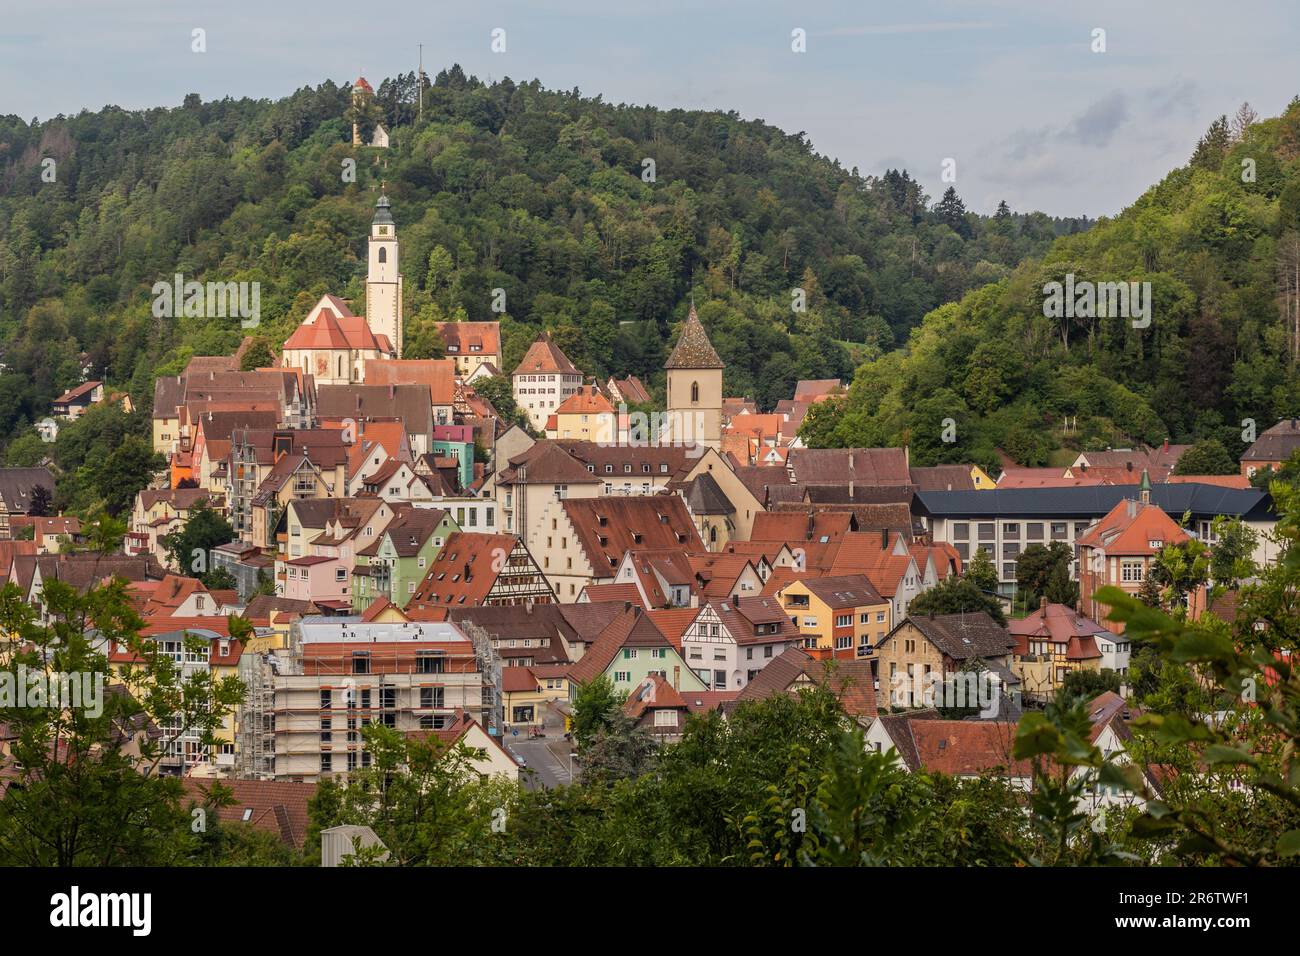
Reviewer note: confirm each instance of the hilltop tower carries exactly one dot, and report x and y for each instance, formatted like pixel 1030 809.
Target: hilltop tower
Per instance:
pixel 694 397
pixel 383 280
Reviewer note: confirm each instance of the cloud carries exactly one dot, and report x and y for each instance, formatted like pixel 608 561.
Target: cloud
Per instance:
pixel 1096 125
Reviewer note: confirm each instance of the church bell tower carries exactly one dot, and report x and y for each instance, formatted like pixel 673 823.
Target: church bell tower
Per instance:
pixel 383 280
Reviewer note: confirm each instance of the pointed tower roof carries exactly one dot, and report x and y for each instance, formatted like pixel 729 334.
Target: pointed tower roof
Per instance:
pixel 383 215
pixel 547 357
pixel 693 349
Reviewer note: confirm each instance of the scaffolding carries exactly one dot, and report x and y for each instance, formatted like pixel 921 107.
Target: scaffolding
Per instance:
pixel 255 754
pixel 489 663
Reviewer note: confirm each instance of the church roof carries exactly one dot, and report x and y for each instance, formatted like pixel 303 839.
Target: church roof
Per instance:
pixel 383 214
pixel 331 325
pixel 693 350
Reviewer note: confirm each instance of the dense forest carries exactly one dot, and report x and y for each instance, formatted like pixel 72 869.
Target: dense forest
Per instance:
pixel 1218 242
pixel 547 195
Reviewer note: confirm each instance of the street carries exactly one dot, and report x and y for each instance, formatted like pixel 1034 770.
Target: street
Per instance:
pixel 546 757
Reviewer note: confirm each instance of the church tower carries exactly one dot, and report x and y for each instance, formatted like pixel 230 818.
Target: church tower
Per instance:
pixel 383 280
pixel 694 398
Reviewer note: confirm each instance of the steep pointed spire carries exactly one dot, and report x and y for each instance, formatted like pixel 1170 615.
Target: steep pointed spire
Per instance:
pixel 693 349
pixel 1145 487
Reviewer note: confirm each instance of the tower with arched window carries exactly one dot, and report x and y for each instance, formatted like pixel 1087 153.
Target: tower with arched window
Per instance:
pixel 383 280
pixel 694 396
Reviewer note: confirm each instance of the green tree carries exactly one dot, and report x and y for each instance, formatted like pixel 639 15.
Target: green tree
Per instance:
pixel 79 794
pixel 26 451
pixel 956 595
pixel 127 469
pixel 1035 568
pixel 1206 457
pixel 190 548
pixel 595 707
pixel 982 572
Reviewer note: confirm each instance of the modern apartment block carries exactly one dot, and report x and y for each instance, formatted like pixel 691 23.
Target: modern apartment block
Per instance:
pixel 346 674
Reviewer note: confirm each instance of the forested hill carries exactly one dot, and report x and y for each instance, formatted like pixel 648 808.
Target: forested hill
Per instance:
pixel 1219 241
pixel 537 192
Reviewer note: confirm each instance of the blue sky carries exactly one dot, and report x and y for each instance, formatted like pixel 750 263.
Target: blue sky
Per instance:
pixel 1011 90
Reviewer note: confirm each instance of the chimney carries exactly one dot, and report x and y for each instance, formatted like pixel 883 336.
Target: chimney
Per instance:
pixel 1042 604
pixel 1128 465
pixel 1166 444
pixel 627 606
pixel 884 538
pixel 1132 507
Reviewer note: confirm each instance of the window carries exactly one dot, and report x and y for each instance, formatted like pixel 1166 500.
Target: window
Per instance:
pixel 1011 529
pixel 1035 530
pixel 1130 572
pixel 1059 530
pixel 622 677
pixel 383 254
pixel 665 718
pixel 326 762
pixel 961 531
pixel 361 662
pixel 695 393
pixel 843 620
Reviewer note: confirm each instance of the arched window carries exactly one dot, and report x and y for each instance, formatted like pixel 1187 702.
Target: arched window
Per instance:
pixel 713 534
pixel 695 393
pixel 383 255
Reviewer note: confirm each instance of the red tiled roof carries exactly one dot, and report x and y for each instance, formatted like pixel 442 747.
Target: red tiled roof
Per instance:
pixel 471 338
pixel 277 807
pixel 438 374
pixel 331 325
pixel 609 527
pixel 1145 531
pixel 545 357
pixel 587 400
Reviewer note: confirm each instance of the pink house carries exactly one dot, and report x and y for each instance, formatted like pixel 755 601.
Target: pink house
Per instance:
pixel 317 578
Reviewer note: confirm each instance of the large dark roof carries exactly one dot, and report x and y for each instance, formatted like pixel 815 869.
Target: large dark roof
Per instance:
pixel 961 636
pixel 1093 501
pixel 17 485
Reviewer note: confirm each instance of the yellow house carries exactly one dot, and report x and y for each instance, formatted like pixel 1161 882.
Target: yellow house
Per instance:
pixel 939 644
pixel 839 616
pixel 981 479
pixel 586 415
pixel 527 693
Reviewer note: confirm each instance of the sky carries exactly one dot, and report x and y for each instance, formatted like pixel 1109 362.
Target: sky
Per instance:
pixel 1011 90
